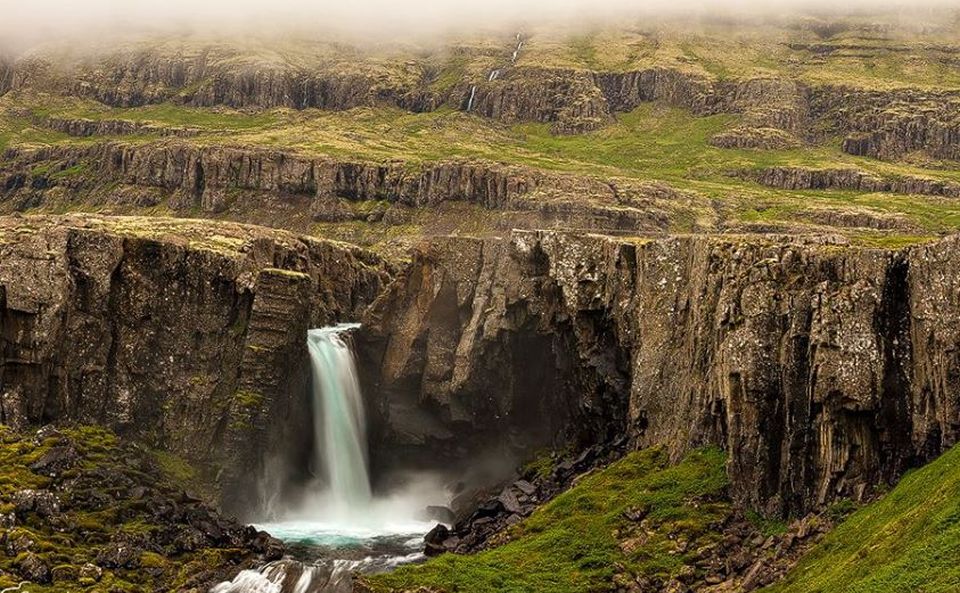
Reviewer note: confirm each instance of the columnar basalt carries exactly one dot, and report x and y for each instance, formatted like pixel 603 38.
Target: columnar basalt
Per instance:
pixel 819 367
pixel 189 336
pixel 213 180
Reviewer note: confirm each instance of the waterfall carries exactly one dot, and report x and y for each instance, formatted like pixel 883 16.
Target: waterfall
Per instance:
pixel 356 532
pixel 340 448
pixel 494 74
pixel 473 93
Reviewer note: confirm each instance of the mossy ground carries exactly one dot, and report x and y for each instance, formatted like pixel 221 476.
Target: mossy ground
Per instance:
pixel 907 542
pixel 77 535
pixel 583 539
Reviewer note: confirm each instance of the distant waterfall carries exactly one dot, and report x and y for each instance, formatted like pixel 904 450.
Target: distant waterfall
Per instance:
pixel 339 424
pixel 473 94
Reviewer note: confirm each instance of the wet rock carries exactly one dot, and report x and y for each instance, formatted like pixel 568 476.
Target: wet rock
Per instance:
pixel 435 539
pixel 269 547
pixel 441 514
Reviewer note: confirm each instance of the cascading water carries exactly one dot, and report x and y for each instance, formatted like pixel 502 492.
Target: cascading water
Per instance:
pixel 346 527
pixel 339 424
pixel 473 94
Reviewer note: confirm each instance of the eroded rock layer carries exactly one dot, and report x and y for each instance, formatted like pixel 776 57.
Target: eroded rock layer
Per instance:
pixel 212 180
pixel 824 370
pixel 187 335
pixel 886 123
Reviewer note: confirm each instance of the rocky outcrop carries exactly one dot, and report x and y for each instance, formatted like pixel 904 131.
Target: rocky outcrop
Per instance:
pixel 187 335
pixel 890 124
pixel 823 370
pixel 187 177
pixel 147 533
pixel 568 100
pixel 850 179
pixel 84 128
pixel 754 139
pixel 222 74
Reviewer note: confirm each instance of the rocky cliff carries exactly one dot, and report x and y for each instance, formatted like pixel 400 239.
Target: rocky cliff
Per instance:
pixel 189 336
pixel 851 179
pixel 824 370
pixel 212 180
pixel 776 110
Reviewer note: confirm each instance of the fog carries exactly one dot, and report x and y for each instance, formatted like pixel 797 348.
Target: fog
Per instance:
pixel 24 22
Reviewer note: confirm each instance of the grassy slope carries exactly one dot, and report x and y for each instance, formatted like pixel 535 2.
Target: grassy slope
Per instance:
pixel 571 544
pixel 908 542
pixel 653 142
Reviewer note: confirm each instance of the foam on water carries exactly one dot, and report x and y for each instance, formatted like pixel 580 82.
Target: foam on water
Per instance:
pixel 351 530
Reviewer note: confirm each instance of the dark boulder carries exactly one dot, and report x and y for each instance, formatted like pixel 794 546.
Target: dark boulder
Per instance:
pixel 434 540
pixel 32 568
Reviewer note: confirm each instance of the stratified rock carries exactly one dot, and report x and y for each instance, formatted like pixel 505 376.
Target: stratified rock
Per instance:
pixel 818 367
pixel 169 329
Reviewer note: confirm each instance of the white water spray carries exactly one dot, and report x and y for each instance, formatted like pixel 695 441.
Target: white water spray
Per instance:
pixel 338 512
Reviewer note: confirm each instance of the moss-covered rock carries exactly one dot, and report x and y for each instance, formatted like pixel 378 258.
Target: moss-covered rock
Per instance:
pixel 114 519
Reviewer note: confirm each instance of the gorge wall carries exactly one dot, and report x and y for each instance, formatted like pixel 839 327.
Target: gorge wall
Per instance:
pixel 823 370
pixel 188 336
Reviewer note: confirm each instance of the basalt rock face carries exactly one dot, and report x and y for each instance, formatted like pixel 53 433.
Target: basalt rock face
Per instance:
pixel 850 179
pixel 777 111
pixel 222 75
pixel 822 369
pixel 474 347
pixel 223 179
pixel 569 100
pixel 195 345
pixel 84 128
pixel 890 124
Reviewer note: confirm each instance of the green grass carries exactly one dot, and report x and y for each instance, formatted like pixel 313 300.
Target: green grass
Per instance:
pixel 907 542
pixel 579 541
pixel 652 143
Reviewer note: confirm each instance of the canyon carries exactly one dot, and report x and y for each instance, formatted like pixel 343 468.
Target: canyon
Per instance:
pixel 663 306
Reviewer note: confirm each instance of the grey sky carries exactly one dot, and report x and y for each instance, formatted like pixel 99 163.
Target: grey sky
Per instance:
pixel 38 20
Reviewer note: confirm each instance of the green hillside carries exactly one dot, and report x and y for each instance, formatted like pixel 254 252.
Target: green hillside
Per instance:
pixel 908 542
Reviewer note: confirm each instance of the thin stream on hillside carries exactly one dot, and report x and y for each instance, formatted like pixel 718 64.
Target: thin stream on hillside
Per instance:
pixel 340 521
